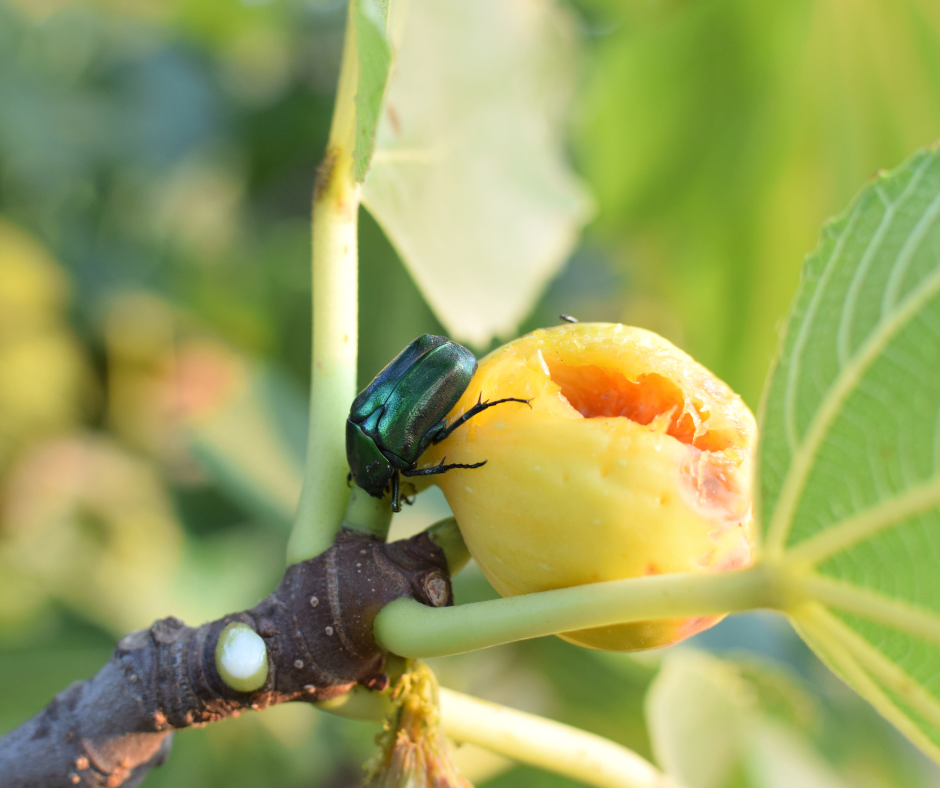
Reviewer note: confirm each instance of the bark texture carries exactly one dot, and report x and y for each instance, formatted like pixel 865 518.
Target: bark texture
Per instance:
pixel 113 728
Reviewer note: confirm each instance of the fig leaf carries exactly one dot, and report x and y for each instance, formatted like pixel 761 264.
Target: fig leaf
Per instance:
pixel 375 59
pixel 850 448
pixel 469 179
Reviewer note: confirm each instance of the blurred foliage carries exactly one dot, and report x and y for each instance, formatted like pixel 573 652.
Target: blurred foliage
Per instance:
pixel 719 135
pixel 715 723
pixel 156 165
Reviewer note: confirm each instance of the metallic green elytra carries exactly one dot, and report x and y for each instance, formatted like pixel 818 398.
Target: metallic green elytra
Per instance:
pixel 404 410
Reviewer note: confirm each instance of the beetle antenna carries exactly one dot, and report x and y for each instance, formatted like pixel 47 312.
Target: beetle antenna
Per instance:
pixel 440 468
pixel 478 408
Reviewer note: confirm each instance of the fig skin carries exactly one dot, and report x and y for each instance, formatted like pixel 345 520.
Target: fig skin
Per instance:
pixel 631 460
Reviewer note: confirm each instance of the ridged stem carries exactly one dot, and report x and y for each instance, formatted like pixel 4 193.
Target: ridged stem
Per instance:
pixel 335 328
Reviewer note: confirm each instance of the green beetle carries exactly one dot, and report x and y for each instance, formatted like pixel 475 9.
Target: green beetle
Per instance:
pixel 404 410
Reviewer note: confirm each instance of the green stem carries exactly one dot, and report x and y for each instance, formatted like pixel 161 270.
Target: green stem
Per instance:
pixel 335 329
pixel 410 629
pixel 547 744
pixel 525 738
pixel 367 514
pixel 446 535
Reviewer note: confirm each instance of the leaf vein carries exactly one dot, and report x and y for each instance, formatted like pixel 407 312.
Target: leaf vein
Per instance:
pixel 866 524
pixel 848 378
pixel 843 336
pixel 813 620
pixel 794 371
pixel 906 255
pixel 895 613
pixel 884 670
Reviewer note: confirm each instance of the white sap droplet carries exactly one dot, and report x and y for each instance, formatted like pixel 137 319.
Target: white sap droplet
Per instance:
pixel 242 657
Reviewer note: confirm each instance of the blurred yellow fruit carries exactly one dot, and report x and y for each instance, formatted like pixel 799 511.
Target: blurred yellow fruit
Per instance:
pixel 632 460
pixel 33 289
pixel 90 524
pixel 45 382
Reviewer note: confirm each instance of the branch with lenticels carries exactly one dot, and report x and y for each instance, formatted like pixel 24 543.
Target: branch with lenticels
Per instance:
pixel 111 729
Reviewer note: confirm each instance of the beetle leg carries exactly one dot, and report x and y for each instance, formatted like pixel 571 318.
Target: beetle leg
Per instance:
pixel 396 498
pixel 439 468
pixel 478 408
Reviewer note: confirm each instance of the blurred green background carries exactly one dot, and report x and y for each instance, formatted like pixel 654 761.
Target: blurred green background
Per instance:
pixel 156 165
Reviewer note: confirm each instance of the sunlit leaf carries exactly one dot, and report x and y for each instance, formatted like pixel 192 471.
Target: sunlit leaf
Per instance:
pixel 469 178
pixel 850 453
pixel 375 59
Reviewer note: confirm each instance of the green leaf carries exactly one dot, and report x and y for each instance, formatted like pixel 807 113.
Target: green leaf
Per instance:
pixel 712 725
pixel 850 448
pixel 693 712
pixel 375 60
pixel 469 179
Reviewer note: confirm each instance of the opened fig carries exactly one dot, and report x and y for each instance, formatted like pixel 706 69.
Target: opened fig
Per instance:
pixel 631 460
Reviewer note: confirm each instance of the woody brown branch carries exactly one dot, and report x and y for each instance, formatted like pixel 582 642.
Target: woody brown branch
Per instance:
pixel 317 626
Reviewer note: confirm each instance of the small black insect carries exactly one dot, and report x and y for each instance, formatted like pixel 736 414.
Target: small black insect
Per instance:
pixel 404 410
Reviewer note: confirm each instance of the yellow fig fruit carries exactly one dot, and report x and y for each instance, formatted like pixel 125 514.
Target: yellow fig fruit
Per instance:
pixel 630 460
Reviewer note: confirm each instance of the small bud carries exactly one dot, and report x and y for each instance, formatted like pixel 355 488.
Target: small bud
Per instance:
pixel 437 587
pixel 414 751
pixel 241 657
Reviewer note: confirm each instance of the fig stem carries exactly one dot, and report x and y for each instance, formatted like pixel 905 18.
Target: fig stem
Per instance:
pixel 410 629
pixel 525 738
pixel 547 744
pixel 335 327
pixel 367 514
